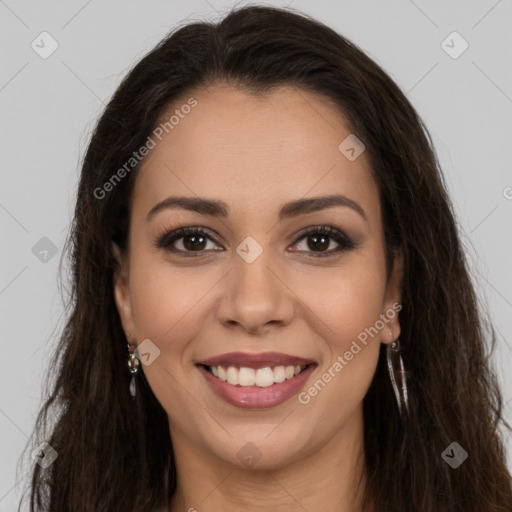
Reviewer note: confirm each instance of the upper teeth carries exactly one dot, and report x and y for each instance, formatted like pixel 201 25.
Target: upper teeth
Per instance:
pixel 262 377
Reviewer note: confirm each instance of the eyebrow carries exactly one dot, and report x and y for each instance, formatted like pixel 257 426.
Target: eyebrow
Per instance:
pixel 289 210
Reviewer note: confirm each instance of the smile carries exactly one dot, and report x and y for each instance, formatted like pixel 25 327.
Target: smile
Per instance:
pixel 261 377
pixel 256 380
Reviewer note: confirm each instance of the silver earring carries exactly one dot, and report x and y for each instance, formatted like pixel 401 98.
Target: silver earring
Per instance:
pixel 133 366
pixel 397 375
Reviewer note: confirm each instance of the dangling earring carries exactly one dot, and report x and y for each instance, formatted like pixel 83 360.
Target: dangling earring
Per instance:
pixel 397 375
pixel 133 366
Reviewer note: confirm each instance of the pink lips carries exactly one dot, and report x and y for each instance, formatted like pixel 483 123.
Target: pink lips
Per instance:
pixel 255 396
pixel 255 361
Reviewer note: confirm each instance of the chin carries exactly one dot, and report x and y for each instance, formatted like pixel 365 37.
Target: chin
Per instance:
pixel 259 451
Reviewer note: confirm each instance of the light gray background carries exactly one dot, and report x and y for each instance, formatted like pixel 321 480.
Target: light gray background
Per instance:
pixel 49 106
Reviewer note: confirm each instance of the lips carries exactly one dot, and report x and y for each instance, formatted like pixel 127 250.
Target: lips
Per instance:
pixel 255 361
pixel 266 393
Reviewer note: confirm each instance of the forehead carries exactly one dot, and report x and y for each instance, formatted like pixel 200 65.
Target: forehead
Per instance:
pixel 253 152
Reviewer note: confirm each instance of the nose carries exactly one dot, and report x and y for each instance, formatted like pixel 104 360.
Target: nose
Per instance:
pixel 255 297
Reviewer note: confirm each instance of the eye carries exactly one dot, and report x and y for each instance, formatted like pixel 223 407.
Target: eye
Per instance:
pixel 319 238
pixel 193 241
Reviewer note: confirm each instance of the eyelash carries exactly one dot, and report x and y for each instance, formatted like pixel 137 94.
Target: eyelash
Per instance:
pixel 165 240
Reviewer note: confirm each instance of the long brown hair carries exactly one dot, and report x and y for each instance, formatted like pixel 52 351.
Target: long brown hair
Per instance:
pixel 116 454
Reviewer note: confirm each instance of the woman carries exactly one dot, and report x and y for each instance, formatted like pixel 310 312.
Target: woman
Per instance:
pixel 271 308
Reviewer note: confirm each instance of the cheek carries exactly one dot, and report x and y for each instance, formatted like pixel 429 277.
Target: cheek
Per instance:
pixel 166 304
pixel 349 302
pixel 348 298
pixel 167 300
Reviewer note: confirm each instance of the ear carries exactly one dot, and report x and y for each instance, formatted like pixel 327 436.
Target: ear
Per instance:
pixel 392 301
pixel 122 296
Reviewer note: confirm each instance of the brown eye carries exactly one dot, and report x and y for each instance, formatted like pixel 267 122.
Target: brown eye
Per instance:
pixel 192 240
pixel 319 238
pixel 318 242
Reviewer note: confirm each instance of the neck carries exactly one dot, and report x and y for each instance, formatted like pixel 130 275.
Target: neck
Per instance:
pixel 328 477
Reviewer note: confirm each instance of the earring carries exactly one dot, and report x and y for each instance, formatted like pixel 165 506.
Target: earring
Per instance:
pixel 397 375
pixel 133 367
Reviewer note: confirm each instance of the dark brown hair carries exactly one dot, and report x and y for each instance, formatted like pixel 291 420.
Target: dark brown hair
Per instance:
pixel 115 454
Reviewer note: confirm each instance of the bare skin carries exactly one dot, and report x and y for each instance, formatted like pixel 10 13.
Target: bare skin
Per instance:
pixel 255 154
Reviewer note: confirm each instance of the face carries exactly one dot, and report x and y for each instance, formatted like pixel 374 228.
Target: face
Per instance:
pixel 249 287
